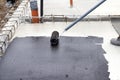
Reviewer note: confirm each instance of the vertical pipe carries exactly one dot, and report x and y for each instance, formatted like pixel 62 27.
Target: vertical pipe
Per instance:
pixel 84 15
pixel 71 3
pixel 41 10
pixel 34 11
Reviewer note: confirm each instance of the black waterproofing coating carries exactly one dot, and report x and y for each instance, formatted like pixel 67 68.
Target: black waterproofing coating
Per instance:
pixel 75 58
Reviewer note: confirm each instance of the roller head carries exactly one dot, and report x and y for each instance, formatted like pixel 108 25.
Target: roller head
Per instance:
pixel 54 40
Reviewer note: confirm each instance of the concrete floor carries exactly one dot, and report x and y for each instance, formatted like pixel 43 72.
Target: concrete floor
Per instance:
pixel 100 29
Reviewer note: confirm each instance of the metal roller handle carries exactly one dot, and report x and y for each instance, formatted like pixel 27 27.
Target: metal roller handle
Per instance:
pixel 84 15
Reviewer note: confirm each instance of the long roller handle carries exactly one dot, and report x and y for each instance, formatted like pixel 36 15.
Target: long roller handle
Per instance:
pixel 84 15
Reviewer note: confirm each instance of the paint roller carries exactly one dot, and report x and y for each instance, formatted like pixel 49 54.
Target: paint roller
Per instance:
pixel 54 38
pixel 55 35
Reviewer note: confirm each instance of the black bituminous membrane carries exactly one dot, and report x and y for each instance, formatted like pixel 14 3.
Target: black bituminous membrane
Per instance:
pixel 75 58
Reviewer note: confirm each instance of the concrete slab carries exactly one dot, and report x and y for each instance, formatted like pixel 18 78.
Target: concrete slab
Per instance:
pixel 89 28
pixel 75 58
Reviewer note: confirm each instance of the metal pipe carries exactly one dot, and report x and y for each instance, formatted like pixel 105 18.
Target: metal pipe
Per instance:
pixel 41 10
pixel 84 15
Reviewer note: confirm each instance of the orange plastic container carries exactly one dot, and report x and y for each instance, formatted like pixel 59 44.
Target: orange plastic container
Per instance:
pixel 35 16
pixel 71 3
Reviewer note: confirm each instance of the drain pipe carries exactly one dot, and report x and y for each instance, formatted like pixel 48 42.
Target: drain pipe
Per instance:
pixel 84 15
